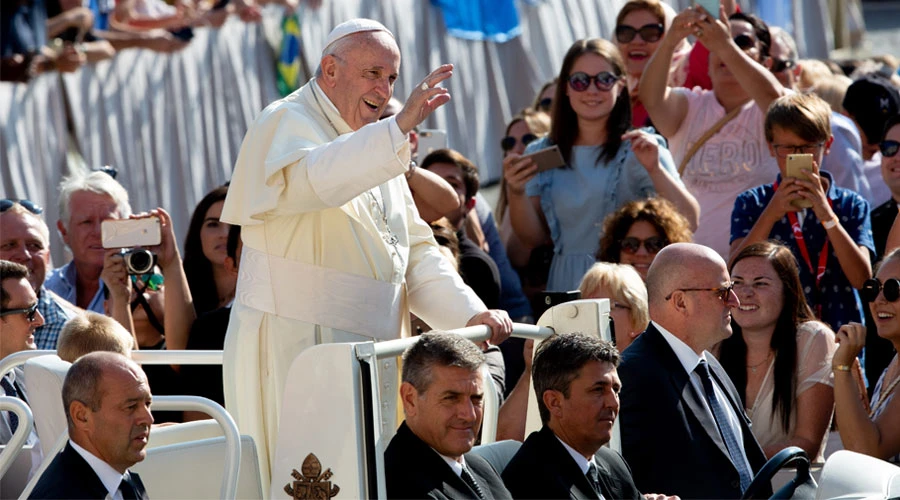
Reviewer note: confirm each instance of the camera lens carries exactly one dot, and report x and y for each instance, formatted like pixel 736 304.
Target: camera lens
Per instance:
pixel 138 261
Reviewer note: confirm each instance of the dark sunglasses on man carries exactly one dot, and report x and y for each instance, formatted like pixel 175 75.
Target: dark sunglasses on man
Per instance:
pixel 871 288
pixel 509 142
pixel 29 312
pixel 653 244
pixel 779 65
pixel 31 206
pixel 581 81
pixel 889 148
pixel 649 32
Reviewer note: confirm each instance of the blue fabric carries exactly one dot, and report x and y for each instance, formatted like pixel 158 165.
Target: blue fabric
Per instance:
pixel 492 20
pixel 576 199
pixel 55 317
pixel 23 28
pixel 839 300
pixel 101 10
pixel 61 281
pixel 512 298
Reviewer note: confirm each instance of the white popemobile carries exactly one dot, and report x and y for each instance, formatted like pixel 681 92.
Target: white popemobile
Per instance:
pixel 330 442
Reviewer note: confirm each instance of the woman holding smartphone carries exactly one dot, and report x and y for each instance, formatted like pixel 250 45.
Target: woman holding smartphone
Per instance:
pixel 606 165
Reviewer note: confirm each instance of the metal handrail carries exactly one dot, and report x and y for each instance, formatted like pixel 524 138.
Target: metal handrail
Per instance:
pixel 232 436
pixel 17 442
pixel 162 357
pixel 393 348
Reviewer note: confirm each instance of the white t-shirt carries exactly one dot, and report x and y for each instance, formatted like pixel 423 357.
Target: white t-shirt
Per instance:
pixel 732 161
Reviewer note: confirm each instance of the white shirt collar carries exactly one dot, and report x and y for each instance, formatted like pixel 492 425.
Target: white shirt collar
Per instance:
pixel 456 466
pixel 111 478
pixel 582 462
pixel 686 355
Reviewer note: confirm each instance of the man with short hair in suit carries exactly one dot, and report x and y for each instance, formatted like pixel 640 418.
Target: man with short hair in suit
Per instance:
pixel 577 391
pixel 442 394
pixel 683 425
pixel 107 403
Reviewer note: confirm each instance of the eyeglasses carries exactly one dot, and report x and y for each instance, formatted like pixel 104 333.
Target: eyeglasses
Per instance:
pixel 31 206
pixel 580 81
pixel 744 42
pixel 782 150
pixel 29 312
pixel 722 292
pixel 545 104
pixel 653 244
pixel 871 288
pixel 649 32
pixel 509 142
pixel 889 148
pixel 779 65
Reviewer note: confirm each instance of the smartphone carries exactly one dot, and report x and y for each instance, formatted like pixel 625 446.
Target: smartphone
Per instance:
pixel 128 233
pixel 430 140
pixel 547 158
pixel 796 163
pixel 711 7
pixel 551 299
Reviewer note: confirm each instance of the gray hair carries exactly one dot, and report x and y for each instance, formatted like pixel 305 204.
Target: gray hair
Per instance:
pixel 95 182
pixel 784 38
pixel 84 377
pixel 559 359
pixel 17 208
pixel 442 349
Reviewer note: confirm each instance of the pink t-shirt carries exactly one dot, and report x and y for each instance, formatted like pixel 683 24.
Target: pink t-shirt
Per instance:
pixel 734 160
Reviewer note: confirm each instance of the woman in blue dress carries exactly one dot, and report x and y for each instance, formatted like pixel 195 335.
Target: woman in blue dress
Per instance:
pixel 606 165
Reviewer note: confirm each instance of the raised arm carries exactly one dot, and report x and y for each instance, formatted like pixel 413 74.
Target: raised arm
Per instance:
pixel 434 196
pixel 118 283
pixel 524 211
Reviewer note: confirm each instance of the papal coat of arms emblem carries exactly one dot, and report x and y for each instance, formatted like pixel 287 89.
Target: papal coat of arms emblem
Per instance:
pixel 311 482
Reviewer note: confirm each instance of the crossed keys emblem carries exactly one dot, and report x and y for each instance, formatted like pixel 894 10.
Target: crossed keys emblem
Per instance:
pixel 311 482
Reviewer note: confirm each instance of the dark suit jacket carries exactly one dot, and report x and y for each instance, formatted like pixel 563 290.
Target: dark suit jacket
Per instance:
pixel 543 468
pixel 671 443
pixel 412 469
pixel 70 477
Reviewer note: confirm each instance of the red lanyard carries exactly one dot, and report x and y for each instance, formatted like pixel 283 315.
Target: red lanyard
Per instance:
pixel 804 252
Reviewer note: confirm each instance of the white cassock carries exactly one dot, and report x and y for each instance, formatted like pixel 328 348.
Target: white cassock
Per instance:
pixel 334 251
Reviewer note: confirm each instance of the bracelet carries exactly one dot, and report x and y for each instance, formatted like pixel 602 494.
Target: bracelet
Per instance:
pixel 830 223
pixel 412 170
pixel 841 368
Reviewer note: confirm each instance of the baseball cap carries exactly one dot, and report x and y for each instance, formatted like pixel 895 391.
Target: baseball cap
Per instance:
pixel 871 100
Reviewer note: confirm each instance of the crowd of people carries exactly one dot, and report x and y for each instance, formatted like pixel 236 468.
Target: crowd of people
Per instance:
pixel 729 199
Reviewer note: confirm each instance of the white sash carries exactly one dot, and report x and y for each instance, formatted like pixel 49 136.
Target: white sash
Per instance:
pixel 319 295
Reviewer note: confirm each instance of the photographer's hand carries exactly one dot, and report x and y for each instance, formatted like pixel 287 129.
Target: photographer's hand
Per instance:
pixel 117 281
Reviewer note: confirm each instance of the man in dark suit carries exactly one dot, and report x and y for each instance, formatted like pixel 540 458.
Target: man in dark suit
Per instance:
pixel 683 425
pixel 442 393
pixel 577 386
pixel 107 403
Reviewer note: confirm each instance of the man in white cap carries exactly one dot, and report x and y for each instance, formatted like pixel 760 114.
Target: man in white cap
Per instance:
pixel 334 249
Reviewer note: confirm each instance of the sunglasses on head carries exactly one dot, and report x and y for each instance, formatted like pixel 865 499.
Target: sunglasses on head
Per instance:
pixel 649 32
pixel 580 81
pixel 744 42
pixel 29 312
pixel 779 65
pixel 545 104
pixel 653 244
pixel 871 288
pixel 509 142
pixel 31 206
pixel 889 148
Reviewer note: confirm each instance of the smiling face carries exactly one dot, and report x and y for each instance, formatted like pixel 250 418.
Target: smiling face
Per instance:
pixel 637 52
pixel 585 418
pixel 447 415
pixel 641 259
pixel 359 78
pixel 890 166
pixel 16 332
pixel 214 235
pixel 761 292
pixel 887 314
pixel 23 240
pixel 592 104
pixel 82 233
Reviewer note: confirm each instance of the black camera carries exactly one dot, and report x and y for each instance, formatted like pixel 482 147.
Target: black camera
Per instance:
pixel 138 260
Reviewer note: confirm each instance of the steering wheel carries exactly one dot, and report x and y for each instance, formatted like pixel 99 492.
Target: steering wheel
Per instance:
pixel 802 486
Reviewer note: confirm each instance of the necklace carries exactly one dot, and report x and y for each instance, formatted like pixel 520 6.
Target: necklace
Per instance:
pixel 754 367
pixel 379 206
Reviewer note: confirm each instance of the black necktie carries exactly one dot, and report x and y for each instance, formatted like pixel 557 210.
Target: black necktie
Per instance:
pixel 719 413
pixel 593 476
pixel 10 391
pixel 469 479
pixel 129 492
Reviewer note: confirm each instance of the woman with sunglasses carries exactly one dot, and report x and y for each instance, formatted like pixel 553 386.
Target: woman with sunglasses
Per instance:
pixel 779 357
pixel 871 430
pixel 639 27
pixel 605 165
pixel 635 233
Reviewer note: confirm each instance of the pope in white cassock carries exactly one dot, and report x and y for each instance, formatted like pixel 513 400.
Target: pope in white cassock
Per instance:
pixel 334 249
